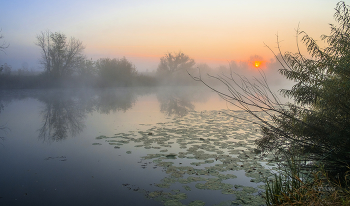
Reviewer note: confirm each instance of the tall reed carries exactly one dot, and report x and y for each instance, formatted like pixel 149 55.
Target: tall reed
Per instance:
pixel 293 186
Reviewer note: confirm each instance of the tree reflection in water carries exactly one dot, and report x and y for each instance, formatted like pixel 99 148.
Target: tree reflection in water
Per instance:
pixel 64 111
pixel 62 114
pixel 115 100
pixel 178 101
pixel 3 128
pixel 174 104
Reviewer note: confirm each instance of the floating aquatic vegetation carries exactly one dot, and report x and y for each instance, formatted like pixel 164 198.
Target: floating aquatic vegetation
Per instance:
pixel 207 149
pixel 171 156
pixel 96 144
pixel 250 189
pixel 102 137
pixel 196 203
pixel 187 188
pixel 112 143
pixel 172 203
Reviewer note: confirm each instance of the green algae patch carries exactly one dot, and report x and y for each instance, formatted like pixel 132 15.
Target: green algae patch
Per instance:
pixel 250 189
pixel 263 187
pixel 208 151
pixel 187 188
pixel 102 137
pixel 196 203
pixel 96 144
pixel 171 156
pixel 172 203
pixel 163 185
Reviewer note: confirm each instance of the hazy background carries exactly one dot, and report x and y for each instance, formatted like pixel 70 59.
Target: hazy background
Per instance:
pixel 212 32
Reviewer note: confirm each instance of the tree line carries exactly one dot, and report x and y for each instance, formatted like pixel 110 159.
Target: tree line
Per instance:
pixel 65 65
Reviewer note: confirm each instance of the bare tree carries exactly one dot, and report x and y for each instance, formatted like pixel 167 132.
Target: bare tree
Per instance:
pixel 3 45
pixel 60 56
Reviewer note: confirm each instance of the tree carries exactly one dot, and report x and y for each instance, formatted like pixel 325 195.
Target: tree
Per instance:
pixel 5 69
pixel 3 45
pixel 59 56
pixel 115 71
pixel 86 68
pixel 174 62
pixel 317 125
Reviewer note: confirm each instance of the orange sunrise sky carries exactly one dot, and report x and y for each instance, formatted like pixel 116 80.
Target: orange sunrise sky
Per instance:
pixel 212 32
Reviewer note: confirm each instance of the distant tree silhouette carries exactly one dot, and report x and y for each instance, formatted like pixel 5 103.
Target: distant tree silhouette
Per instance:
pixel 5 69
pixel 59 56
pixel 3 45
pixel 173 62
pixel 115 72
pixel 173 68
pixel 86 68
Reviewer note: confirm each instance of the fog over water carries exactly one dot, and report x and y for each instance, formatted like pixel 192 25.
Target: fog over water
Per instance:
pixel 93 146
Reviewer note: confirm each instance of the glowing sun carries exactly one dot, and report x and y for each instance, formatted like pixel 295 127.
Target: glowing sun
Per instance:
pixel 257 64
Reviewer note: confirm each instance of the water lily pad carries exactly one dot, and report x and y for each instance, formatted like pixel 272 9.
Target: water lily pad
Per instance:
pixel 216 145
pixel 250 189
pixel 187 188
pixel 96 144
pixel 102 137
pixel 171 156
pixel 196 203
pixel 172 203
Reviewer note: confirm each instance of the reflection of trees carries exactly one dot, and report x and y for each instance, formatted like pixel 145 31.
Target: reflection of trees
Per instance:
pixel 61 115
pixel 64 112
pixel 114 100
pixel 3 102
pixel 2 128
pixel 174 102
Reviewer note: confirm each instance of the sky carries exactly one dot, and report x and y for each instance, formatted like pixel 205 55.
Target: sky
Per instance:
pixel 212 32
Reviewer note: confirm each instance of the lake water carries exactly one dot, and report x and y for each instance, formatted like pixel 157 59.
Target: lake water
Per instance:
pixel 127 147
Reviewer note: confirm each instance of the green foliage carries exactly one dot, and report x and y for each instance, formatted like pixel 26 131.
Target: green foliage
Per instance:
pixel 113 72
pixel 292 187
pixel 318 125
pixel 287 185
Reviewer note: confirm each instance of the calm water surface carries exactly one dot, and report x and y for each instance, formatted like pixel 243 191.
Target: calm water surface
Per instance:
pixel 124 147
